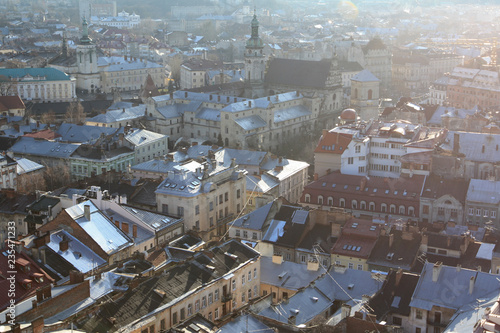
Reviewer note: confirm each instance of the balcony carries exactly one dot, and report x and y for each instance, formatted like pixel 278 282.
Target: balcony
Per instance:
pixel 225 220
pixel 226 297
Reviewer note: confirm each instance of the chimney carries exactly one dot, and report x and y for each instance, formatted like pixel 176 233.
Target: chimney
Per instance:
pixel 37 325
pixel 134 231
pixel 336 229
pixel 185 94
pixel 86 212
pixel 471 284
pixel 436 269
pixel 43 257
pixel 249 104
pixel 125 227
pixel 391 240
pixel 75 277
pixel 63 245
pixel 362 184
pixel 399 275
pixel 312 266
pixel 210 98
pixel 277 260
pixel 425 239
pixel 459 267
pixel 346 311
pixel 218 98
pixel 456 143
pixel 315 177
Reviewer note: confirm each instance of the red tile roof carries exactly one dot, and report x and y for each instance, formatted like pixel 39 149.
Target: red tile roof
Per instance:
pixel 31 274
pixel 333 142
pixel 358 239
pixel 11 102
pixel 44 134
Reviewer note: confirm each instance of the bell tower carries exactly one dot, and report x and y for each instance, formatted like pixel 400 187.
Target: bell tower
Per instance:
pixel 255 61
pixel 86 58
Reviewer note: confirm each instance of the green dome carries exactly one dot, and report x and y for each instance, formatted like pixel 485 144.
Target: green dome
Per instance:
pixel 255 42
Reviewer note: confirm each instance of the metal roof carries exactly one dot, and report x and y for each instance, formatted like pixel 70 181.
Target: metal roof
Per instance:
pixel 452 288
pixel 484 191
pixel 25 165
pixel 78 255
pixel 251 122
pixel 27 145
pixel 99 227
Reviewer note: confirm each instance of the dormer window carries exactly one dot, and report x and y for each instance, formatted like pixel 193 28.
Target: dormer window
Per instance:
pixel 26 283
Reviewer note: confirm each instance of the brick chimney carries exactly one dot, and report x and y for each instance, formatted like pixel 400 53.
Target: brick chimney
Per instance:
pixel 63 245
pixel 125 227
pixel 399 275
pixel 134 231
pixel 37 325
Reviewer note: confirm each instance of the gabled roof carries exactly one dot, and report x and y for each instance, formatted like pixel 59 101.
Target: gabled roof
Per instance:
pixel 11 102
pixel 78 254
pixel 255 219
pixel 395 295
pixel 22 278
pixel 99 228
pixel 299 73
pixel 333 142
pixel 365 76
pixel 303 306
pixel 429 293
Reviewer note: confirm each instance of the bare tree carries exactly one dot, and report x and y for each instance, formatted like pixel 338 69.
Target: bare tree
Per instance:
pixel 56 176
pixel 48 118
pixel 30 182
pixel 75 113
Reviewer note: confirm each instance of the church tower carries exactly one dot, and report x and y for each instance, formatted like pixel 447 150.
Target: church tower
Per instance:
pixel 255 62
pixel 86 58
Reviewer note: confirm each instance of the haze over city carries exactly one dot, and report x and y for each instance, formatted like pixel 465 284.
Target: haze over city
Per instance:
pixel 249 166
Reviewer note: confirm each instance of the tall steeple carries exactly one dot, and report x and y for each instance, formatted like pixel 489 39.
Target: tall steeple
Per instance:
pixel 255 42
pixel 255 62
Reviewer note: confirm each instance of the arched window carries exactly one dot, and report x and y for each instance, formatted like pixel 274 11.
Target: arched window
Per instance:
pixel 362 205
pixel 402 210
pixel 330 201
pixel 411 211
pixel 342 203
pixel 371 206
pixel 354 204
pixel 392 209
pixel 320 199
pixel 370 94
pixel 308 198
pixel 383 208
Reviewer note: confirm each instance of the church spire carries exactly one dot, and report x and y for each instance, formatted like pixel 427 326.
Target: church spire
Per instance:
pixel 255 42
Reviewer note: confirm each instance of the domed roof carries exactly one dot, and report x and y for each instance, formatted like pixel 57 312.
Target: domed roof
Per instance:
pixel 255 42
pixel 349 114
